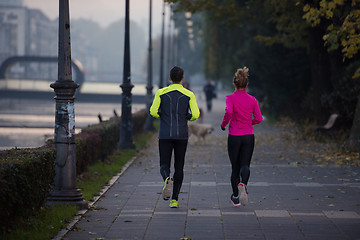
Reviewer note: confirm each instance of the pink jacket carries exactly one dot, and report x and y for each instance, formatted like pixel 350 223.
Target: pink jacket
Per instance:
pixel 239 112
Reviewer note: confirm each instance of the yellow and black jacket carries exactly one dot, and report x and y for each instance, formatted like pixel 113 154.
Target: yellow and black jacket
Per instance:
pixel 174 105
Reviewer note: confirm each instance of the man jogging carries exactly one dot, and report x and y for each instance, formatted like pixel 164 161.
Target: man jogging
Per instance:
pixel 174 105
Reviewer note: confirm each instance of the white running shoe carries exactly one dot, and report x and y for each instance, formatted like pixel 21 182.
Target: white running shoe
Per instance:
pixel 243 194
pixel 167 189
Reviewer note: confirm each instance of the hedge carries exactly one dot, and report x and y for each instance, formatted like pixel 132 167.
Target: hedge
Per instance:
pixel 26 175
pixel 98 141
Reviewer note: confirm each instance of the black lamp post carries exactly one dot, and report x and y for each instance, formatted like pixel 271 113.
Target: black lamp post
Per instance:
pixel 64 190
pixel 149 120
pixel 161 82
pixel 169 39
pixel 126 140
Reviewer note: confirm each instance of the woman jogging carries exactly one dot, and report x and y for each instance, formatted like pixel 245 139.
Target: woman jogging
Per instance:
pixel 242 112
pixel 174 105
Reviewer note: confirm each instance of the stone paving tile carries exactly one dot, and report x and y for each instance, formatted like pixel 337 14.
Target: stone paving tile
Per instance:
pixel 204 227
pixel 128 227
pixel 348 227
pixel 242 227
pixel 317 226
pixel 166 226
pixel 277 236
pixel 286 200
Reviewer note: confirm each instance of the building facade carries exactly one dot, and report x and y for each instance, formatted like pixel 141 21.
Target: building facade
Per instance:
pixel 26 32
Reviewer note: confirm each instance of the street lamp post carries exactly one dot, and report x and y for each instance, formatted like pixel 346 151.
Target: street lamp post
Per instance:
pixel 64 190
pixel 169 45
pixel 161 82
pixel 126 139
pixel 149 120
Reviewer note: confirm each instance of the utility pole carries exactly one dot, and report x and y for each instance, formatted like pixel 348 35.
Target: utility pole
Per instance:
pixel 64 190
pixel 126 139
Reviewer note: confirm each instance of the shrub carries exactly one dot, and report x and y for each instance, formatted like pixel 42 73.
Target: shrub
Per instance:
pixel 26 176
pixel 98 141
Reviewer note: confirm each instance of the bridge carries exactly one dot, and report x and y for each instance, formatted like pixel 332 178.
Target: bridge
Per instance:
pixel 9 62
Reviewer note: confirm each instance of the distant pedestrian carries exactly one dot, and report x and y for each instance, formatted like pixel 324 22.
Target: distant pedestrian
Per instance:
pixel 209 91
pixel 242 112
pixel 175 106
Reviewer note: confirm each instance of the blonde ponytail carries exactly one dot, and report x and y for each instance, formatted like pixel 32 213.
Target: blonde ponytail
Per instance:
pixel 241 78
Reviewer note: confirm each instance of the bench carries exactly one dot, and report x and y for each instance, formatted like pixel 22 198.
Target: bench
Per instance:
pixel 333 119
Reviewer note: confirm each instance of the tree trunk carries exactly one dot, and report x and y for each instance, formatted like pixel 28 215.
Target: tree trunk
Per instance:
pixel 353 141
pixel 320 76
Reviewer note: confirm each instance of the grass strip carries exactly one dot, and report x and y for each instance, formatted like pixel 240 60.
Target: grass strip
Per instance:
pixel 44 224
pixel 47 222
pixel 100 173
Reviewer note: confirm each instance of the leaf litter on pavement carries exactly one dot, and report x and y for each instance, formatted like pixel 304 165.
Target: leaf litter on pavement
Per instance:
pixel 286 137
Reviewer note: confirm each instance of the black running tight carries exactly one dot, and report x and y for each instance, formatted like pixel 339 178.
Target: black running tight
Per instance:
pixel 166 147
pixel 240 150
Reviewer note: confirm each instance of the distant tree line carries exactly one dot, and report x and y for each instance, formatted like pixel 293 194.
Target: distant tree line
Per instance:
pixel 303 55
pixel 106 45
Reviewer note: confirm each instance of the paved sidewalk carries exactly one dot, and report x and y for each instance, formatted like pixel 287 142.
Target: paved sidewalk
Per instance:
pixel 289 197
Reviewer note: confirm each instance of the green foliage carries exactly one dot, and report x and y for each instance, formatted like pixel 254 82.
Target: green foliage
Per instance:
pixel 45 223
pixel 286 17
pixel 278 75
pixel 26 176
pixel 289 65
pixel 343 29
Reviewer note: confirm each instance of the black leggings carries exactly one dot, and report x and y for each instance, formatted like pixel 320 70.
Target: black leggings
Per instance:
pixel 240 150
pixel 166 147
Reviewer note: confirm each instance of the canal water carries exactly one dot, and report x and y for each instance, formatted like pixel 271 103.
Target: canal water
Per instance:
pixel 29 122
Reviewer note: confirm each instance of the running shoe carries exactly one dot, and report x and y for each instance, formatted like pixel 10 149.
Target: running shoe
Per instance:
pixel 243 194
pixel 174 203
pixel 235 200
pixel 166 191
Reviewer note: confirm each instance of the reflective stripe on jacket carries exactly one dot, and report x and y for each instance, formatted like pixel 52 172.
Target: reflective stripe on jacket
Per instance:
pixel 174 105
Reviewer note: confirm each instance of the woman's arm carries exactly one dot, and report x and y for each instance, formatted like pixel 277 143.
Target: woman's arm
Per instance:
pixel 257 113
pixel 228 112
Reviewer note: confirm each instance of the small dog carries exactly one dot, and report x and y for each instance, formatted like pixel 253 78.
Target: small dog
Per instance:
pixel 200 131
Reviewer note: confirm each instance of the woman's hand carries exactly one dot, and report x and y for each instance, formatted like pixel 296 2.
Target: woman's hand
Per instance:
pixel 222 128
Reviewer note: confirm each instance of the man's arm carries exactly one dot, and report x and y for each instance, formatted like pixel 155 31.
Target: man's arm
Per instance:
pixel 154 109
pixel 195 112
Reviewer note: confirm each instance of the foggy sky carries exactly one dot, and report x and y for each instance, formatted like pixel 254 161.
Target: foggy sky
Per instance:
pixel 104 12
